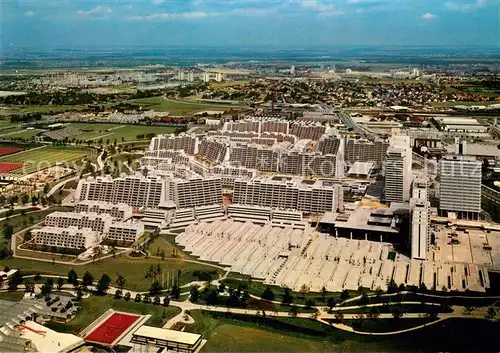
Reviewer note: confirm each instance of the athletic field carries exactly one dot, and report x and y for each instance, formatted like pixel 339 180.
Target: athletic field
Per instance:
pixel 41 158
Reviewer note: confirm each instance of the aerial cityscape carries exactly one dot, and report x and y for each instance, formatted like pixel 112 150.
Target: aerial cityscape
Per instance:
pixel 249 176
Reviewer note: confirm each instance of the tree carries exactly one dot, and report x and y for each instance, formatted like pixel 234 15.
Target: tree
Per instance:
pixel 47 287
pixel 212 297
pixel 46 188
pixel 120 282
pixel 31 220
pixel 138 297
pixel 396 313
pixel 146 298
pixel 323 293
pixel 155 288
pixel 392 287
pixel 222 288
pixel 194 294
pixel 339 316
pixel 103 284
pixel 268 294
pixel 287 297
pixel 293 310
pixel 14 281
pixel 374 313
pixel 166 301
pixel 118 294
pixel 127 296
pixel 309 303
pixel 8 231
pixel 25 198
pixel 331 302
pixel 156 300
pixel 175 292
pixel 27 236
pixel 87 280
pixel 60 283
pixel 304 289
pixel 344 295
pixel 29 286
pixel 73 278
pixel 491 313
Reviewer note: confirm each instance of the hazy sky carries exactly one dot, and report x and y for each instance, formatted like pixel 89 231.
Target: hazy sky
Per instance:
pixel 248 23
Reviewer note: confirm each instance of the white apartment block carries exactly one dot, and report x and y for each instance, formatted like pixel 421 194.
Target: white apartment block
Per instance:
pixel 329 144
pixel 398 174
pixel 213 150
pixel 311 131
pixel 185 142
pixel 255 156
pixel 127 232
pixel 96 222
pixel 195 191
pixel 460 185
pixel 420 221
pixel 118 211
pixel 307 196
pixel 155 159
pixel 314 163
pixel 133 190
pixel 229 173
pixel 69 237
pixel 361 150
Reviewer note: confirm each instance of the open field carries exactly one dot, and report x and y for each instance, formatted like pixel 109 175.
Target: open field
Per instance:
pixel 44 108
pixel 19 133
pixel 173 107
pixel 237 333
pixel 95 306
pixel 120 132
pixel 44 157
pixel 134 270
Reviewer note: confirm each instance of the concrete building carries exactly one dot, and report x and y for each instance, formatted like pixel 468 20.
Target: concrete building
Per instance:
pixel 255 156
pixel 420 239
pixel 329 144
pixel 206 77
pixel 68 237
pixel 127 232
pixel 460 186
pixel 307 196
pixel 218 77
pixel 185 142
pixel 398 175
pixel 213 150
pixel 311 131
pixel 96 222
pixel 133 190
pixel 361 150
pixel 196 191
pixel 118 211
pixel 190 77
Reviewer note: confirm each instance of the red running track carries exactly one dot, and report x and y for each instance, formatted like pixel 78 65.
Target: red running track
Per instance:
pixel 8 167
pixel 112 328
pixel 9 150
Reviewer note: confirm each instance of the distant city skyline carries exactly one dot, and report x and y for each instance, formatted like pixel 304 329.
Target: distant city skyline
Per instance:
pixel 248 23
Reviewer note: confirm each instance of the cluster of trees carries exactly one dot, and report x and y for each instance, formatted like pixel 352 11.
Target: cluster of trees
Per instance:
pixel 25 118
pixel 239 297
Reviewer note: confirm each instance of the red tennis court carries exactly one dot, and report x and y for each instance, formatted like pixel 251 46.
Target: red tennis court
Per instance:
pixel 114 326
pixel 8 167
pixel 9 150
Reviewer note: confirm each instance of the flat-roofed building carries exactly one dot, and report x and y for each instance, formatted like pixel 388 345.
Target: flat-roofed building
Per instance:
pixel 97 222
pixel 213 150
pixel 133 190
pixel 68 237
pixel 420 220
pixel 170 340
pixel 398 174
pixel 312 131
pixel 118 211
pixel 127 232
pixel 185 142
pixel 361 150
pixel 460 186
pixel 255 156
pixel 155 159
pixel 315 197
pixel 196 191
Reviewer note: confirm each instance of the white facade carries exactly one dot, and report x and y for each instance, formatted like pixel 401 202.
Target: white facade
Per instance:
pixel 125 231
pixel 119 211
pixel 460 185
pixel 398 175
pixel 96 222
pixel 420 221
pixel 70 237
pixel 185 142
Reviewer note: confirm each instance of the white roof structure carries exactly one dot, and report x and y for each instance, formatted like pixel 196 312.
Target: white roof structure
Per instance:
pixel 47 340
pixel 167 335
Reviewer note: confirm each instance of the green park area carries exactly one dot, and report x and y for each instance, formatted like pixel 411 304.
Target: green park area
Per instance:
pixel 38 159
pixel 135 270
pixel 120 132
pixel 174 107
pixel 95 306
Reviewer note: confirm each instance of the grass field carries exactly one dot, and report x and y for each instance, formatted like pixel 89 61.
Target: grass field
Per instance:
pixel 134 270
pixel 38 159
pixel 19 133
pixel 97 131
pixel 180 107
pixel 95 306
pixel 44 108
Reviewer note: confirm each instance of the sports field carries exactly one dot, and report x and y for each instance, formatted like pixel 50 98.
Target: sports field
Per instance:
pixel 40 158
pixel 174 107
pixel 112 328
pixel 6 150
pixel 120 132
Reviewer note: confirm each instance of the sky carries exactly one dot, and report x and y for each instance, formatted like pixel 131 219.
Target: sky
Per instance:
pixel 247 23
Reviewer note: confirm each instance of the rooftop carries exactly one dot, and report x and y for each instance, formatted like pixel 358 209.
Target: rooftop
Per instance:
pixel 168 335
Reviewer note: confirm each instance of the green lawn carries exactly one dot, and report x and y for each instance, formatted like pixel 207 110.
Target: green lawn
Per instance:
pixel 134 270
pixel 45 108
pixel 12 296
pixel 95 306
pixel 180 107
pixel 120 132
pixel 167 244
pixel 39 159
